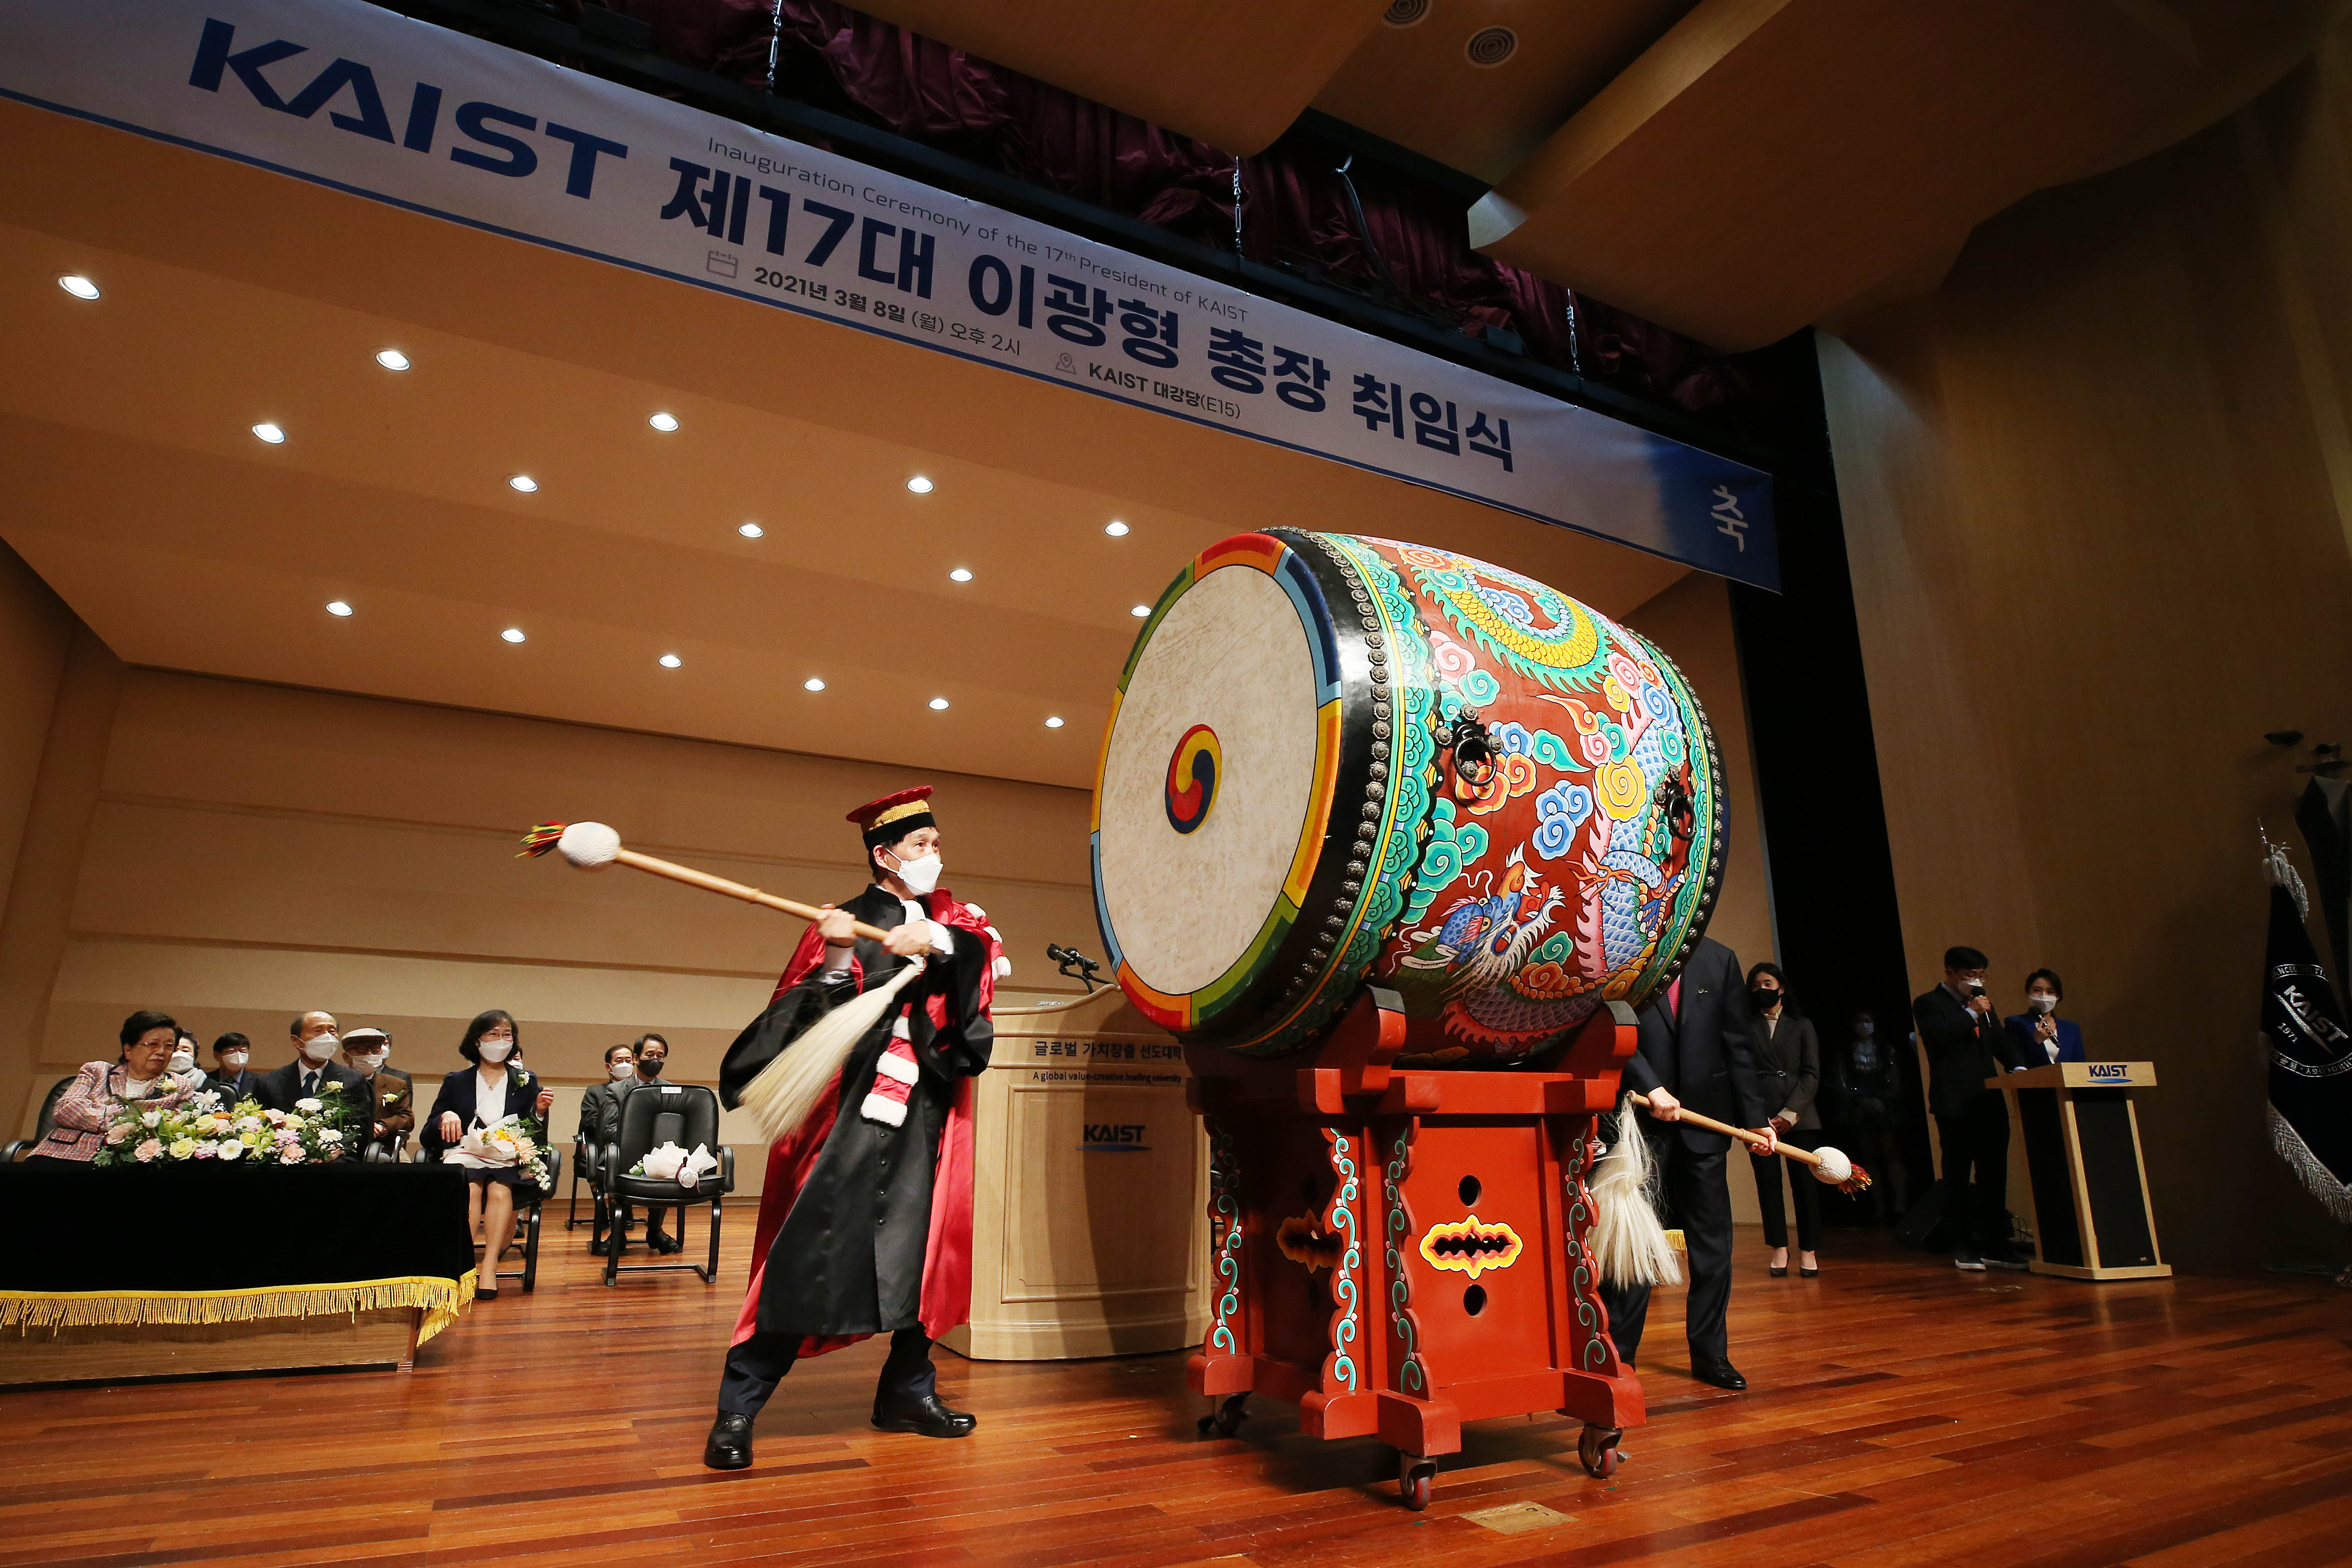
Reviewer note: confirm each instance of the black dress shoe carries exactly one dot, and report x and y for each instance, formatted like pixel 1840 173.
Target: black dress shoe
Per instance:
pixel 926 1416
pixel 599 1247
pixel 728 1446
pixel 1721 1373
pixel 661 1241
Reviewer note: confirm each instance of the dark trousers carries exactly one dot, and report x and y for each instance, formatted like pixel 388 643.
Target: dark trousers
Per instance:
pixel 1975 1140
pixel 760 1362
pixel 1699 1201
pixel 1801 1181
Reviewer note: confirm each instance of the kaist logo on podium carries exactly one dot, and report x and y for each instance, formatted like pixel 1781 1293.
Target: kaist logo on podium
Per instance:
pixel 1114 1138
pixel 2110 1072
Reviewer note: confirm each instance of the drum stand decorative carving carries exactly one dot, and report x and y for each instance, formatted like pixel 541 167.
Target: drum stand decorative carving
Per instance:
pixel 1397 1252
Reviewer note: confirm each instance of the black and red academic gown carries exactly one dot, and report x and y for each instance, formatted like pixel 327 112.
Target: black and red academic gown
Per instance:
pixel 865 1229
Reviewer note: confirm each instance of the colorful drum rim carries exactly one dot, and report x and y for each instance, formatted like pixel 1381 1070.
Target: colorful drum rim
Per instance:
pixel 1315 934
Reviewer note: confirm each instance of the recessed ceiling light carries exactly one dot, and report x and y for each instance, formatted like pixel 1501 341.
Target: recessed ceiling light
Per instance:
pixel 336 607
pixel 1116 528
pixel 750 531
pixel 813 684
pixel 524 483
pixel 271 433
pixel 919 485
pixel 512 634
pixel 392 359
pixel 1054 724
pixel 663 422
pixel 79 287
pixel 939 704
pixel 1140 610
pixel 961 574
pixel 671 661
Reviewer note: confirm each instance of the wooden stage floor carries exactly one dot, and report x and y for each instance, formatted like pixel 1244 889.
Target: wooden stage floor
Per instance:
pixel 1901 1413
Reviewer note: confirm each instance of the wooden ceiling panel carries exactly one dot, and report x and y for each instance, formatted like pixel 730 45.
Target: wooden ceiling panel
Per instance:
pixel 1768 161
pixel 1233 73
pixel 1416 85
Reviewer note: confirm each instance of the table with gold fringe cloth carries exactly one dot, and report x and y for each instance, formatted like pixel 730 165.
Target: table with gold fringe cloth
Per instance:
pixel 200 1243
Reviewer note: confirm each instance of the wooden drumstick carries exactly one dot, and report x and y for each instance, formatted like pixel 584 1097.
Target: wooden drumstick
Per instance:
pixel 1854 1181
pixel 591 847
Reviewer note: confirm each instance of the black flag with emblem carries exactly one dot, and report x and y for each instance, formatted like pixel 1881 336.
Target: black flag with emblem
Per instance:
pixel 2310 1056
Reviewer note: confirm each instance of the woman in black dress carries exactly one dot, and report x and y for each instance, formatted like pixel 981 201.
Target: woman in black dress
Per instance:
pixel 471 1100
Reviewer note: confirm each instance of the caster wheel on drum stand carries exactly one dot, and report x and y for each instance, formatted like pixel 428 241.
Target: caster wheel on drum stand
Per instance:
pixel 1227 1418
pixel 1597 1447
pixel 1416 1475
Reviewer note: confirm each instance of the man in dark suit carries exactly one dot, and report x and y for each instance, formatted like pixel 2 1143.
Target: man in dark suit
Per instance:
pixel 312 1068
pixel 231 1078
pixel 1695 1051
pixel 600 1123
pixel 391 1095
pixel 1966 1045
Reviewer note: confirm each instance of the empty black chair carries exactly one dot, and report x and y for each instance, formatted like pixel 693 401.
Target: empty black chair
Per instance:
pixel 685 1114
pixel 23 1146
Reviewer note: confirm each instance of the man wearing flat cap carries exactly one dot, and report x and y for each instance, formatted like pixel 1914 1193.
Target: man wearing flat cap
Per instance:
pixel 866 1219
pixel 389 1090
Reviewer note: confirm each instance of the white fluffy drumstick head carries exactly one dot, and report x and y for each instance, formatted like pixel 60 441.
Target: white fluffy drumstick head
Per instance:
pixel 1834 1166
pixel 589 845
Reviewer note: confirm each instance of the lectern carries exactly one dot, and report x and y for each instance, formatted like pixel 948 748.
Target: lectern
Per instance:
pixel 2088 1181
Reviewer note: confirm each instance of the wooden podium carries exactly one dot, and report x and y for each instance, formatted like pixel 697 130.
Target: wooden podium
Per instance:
pixel 2089 1182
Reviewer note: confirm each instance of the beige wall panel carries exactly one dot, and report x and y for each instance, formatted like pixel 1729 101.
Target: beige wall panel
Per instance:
pixel 2094 495
pixel 36 630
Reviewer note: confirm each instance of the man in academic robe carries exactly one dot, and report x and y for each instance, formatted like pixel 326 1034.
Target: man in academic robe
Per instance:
pixel 866 1219
pixel 1696 1050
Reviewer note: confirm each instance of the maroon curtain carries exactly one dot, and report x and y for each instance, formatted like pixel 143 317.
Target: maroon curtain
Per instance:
pixel 1295 206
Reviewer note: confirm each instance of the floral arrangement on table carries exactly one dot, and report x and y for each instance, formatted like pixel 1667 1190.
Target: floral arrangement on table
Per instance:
pixel 513 1140
pixel 201 1128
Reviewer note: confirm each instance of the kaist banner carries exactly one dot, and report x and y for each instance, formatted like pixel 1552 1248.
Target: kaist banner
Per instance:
pixel 401 111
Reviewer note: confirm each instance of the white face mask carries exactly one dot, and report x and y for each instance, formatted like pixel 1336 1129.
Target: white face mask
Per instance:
pixel 922 874
pixel 623 1070
pixel 181 1060
pixel 370 1062
pixel 2042 1004
pixel 234 1060
pixel 319 1048
pixel 495 1051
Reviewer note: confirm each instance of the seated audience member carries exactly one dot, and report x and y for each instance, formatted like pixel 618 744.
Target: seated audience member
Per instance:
pixel 1866 1087
pixel 1966 1046
pixel 391 1097
pixel 232 1077
pixel 600 1120
pixel 2042 1035
pixel 653 1051
pixel 472 1099
pixel 141 1072
pixel 182 1065
pixel 1788 1069
pixel 312 1069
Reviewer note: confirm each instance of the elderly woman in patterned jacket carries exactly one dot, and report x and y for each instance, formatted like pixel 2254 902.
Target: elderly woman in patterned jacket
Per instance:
pixel 77 1127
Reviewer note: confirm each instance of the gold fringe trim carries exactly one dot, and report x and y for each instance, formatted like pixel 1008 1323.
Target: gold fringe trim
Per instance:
pixel 442 1300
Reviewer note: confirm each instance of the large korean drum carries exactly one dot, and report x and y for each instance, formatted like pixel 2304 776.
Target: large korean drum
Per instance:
pixel 1336 761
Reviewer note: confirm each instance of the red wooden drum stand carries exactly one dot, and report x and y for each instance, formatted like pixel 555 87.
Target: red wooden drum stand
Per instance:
pixel 1397 1252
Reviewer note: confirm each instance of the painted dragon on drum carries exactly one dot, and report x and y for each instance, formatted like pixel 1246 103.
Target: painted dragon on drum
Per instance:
pixel 1436 775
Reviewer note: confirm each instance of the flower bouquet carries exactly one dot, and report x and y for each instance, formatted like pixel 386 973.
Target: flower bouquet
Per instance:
pixel 201 1128
pixel 669 1161
pixel 509 1140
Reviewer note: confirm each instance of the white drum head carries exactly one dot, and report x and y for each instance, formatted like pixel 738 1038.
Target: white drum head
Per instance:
pixel 1208 799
